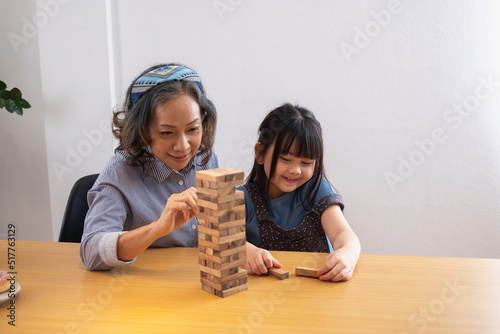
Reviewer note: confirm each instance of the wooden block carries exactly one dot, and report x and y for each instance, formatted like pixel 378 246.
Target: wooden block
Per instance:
pixel 238 274
pixel 220 185
pixel 215 192
pixel 230 271
pixel 224 293
pixel 237 195
pixel 232 174
pixel 239 223
pixel 233 264
pixel 204 223
pixel 211 271
pixel 209 244
pixel 204 230
pixel 216 221
pixel 231 251
pixel 308 272
pixel 222 286
pixel 207 204
pixel 232 291
pixel 237 243
pixel 220 174
pixel 211 175
pixel 237 256
pixel 216 205
pixel 277 273
pixel 208 288
pixel 218 199
pixel 238 229
pixel 209 257
pixel 198 183
pixel 211 284
pixel 224 232
pixel 232 237
pixel 226 212
pixel 206 237
pixel 234 283
pixel 221 222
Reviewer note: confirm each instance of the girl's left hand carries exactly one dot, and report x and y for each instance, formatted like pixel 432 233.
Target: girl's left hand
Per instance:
pixel 339 266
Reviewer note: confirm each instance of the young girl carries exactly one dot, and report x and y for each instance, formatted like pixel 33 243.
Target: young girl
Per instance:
pixel 290 204
pixel 145 196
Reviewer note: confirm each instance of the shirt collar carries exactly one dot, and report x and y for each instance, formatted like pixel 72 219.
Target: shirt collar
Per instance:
pixel 161 171
pixel 158 169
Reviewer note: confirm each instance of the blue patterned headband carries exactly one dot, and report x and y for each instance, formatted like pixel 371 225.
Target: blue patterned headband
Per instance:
pixel 161 75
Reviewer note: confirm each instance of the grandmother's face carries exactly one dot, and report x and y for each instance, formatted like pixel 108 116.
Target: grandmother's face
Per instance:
pixel 175 131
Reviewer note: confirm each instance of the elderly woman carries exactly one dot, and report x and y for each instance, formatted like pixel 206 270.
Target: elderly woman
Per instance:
pixel 145 197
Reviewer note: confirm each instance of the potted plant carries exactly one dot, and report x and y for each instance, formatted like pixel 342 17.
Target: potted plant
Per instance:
pixel 12 100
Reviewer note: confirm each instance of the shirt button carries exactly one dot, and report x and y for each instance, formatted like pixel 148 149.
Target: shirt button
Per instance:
pixel 181 182
pixel 193 227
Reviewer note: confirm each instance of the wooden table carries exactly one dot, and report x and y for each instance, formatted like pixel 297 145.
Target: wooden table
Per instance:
pixel 161 293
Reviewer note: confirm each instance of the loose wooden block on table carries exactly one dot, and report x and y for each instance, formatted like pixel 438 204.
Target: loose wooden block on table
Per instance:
pixel 221 231
pixel 277 273
pixel 308 272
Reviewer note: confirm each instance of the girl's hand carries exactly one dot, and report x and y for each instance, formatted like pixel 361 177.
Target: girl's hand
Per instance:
pixel 339 266
pixel 259 260
pixel 180 209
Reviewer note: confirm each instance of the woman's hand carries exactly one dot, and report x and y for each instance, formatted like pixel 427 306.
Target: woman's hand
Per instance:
pixel 338 266
pixel 180 209
pixel 259 260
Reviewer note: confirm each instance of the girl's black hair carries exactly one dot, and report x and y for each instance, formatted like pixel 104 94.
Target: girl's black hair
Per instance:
pixel 287 125
pixel 131 122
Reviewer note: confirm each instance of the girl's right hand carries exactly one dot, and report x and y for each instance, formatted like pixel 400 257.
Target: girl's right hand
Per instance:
pixel 259 260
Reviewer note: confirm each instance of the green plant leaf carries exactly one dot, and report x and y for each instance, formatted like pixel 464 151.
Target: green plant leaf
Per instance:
pixel 12 100
pixel 23 103
pixel 10 106
pixel 5 94
pixel 13 107
pixel 16 94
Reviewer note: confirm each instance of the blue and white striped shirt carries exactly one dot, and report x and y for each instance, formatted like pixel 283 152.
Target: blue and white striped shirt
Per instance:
pixel 124 198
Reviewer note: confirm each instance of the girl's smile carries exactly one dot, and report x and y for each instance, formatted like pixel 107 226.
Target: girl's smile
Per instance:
pixel 290 173
pixel 289 180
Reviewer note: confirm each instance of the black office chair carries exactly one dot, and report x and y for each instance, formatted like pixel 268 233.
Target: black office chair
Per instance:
pixel 76 209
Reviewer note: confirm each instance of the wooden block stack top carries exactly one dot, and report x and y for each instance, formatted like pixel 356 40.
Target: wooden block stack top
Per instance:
pixel 221 231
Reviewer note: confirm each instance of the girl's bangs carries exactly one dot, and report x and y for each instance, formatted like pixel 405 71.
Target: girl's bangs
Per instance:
pixel 308 143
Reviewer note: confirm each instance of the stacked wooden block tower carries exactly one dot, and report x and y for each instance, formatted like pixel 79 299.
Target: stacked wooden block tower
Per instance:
pixel 221 231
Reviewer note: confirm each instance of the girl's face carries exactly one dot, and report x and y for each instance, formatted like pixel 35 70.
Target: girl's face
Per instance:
pixel 290 172
pixel 175 131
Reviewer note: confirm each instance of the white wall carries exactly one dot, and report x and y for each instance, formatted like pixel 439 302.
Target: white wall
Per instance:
pixel 75 83
pixel 411 128
pixel 24 185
